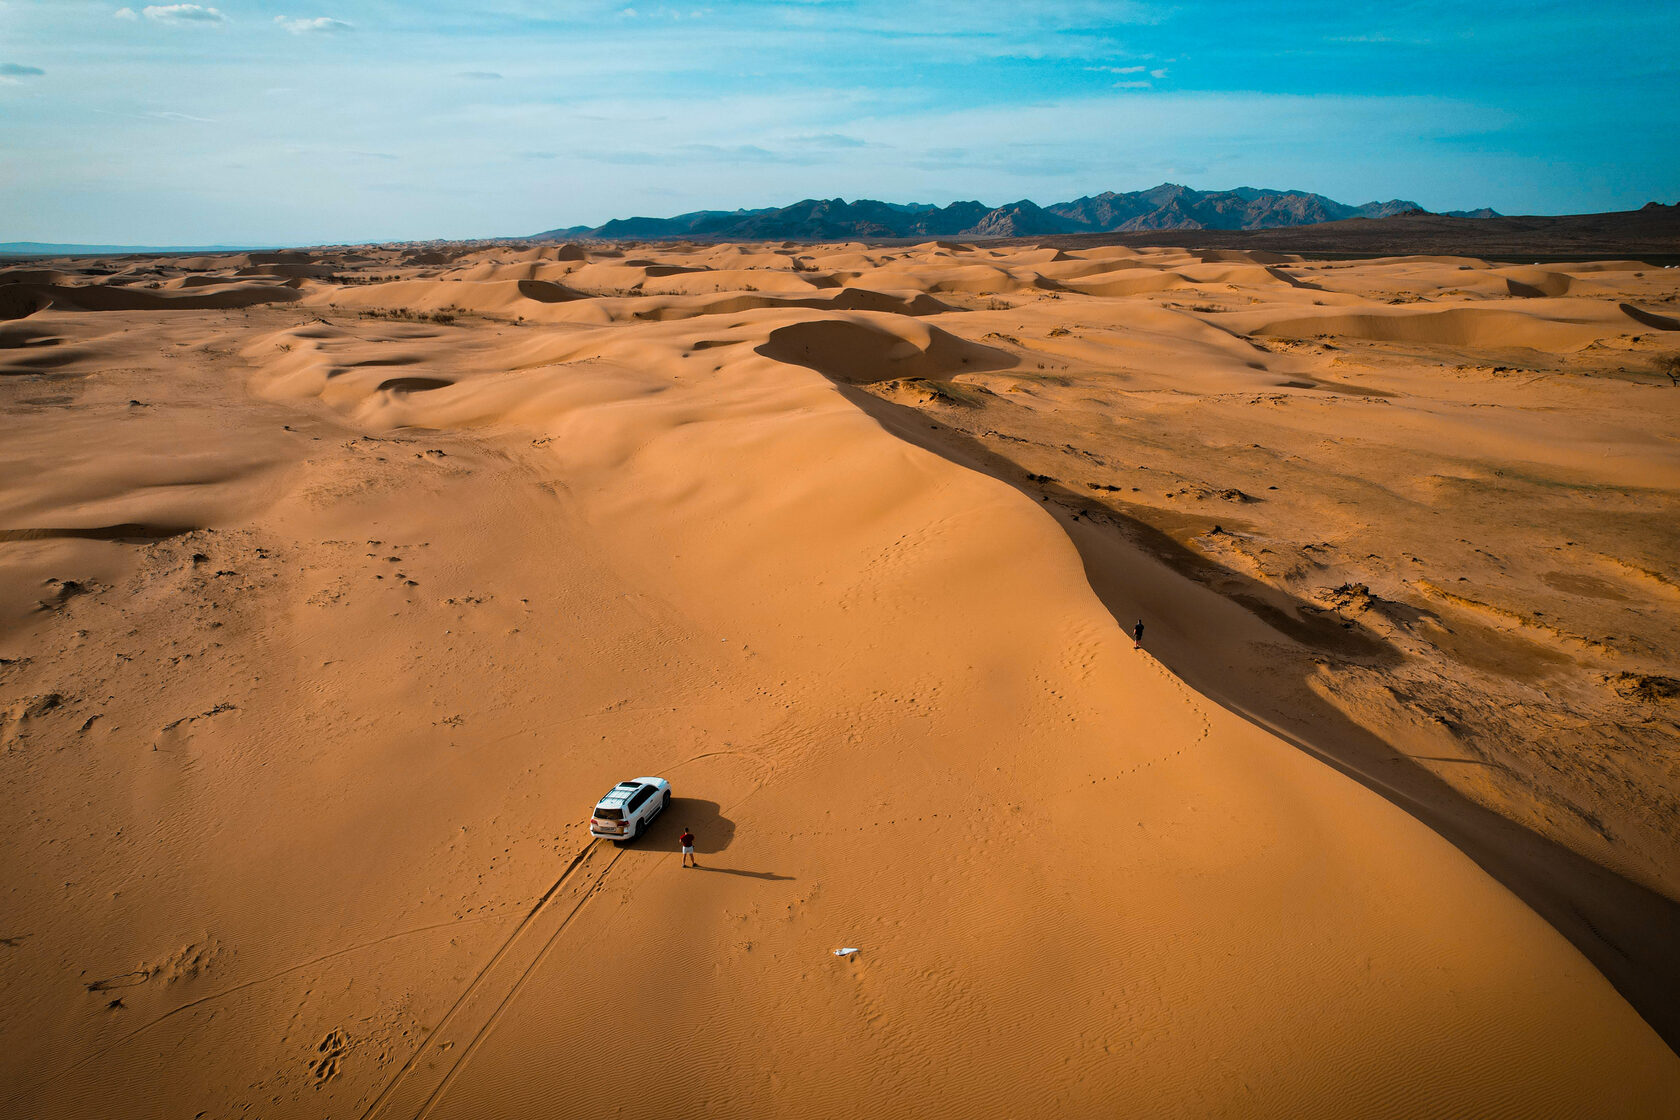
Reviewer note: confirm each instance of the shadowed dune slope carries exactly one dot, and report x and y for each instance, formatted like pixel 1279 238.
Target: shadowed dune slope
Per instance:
pixel 859 349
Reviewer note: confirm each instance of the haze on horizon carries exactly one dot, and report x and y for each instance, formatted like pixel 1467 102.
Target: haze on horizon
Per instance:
pixel 264 122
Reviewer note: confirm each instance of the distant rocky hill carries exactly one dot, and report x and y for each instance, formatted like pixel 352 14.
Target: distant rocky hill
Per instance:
pixel 1650 234
pixel 1168 206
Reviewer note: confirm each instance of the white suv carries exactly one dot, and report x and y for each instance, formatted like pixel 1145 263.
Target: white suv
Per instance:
pixel 629 808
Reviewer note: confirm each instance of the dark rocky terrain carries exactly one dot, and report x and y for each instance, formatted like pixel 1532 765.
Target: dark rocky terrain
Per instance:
pixel 1168 206
pixel 1651 233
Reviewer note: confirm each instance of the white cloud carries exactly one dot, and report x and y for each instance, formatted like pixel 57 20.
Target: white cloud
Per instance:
pixel 1161 73
pixel 317 24
pixel 126 13
pixel 181 13
pixel 829 140
pixel 1116 69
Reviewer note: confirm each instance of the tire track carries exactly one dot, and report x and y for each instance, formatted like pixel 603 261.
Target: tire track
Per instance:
pixel 471 1048
pixel 382 1102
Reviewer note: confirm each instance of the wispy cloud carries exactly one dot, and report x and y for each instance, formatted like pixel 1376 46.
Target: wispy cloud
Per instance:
pixel 17 70
pixel 1415 42
pixel 126 13
pixel 168 115
pixel 715 154
pixel 1116 69
pixel 831 140
pixel 314 25
pixel 480 75
pixel 181 13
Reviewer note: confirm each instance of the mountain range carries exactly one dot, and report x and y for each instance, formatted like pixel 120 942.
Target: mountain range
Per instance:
pixel 1168 206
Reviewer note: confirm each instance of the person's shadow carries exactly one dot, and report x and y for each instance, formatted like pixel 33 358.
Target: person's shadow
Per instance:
pixel 771 875
pixel 712 833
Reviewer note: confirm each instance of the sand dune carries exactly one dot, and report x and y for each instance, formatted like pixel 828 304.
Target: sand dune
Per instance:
pixel 327 616
pixel 1129 282
pixel 1576 324
pixel 864 348
pixel 523 270
pixel 106 297
pixel 507 297
pixel 968 278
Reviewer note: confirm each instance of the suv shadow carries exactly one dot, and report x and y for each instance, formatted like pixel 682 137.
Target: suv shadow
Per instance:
pixel 712 830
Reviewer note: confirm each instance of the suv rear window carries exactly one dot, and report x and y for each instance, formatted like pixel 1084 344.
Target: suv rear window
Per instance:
pixel 610 814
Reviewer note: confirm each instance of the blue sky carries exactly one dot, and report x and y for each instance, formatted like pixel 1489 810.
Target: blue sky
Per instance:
pixel 273 121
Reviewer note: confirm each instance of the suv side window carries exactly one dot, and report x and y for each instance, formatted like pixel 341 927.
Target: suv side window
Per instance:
pixel 639 798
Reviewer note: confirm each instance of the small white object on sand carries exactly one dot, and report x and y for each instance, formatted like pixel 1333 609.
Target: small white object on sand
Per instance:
pixel 844 952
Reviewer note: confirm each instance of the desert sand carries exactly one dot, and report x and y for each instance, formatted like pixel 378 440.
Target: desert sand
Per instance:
pixel 336 586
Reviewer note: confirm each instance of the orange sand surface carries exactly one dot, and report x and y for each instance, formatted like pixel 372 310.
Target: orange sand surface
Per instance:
pixel 335 588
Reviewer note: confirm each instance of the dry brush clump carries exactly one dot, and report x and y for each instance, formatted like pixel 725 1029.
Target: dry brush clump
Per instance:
pixel 404 313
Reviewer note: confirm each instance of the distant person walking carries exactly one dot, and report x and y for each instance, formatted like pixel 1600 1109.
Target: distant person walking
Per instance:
pixel 1137 635
pixel 688 848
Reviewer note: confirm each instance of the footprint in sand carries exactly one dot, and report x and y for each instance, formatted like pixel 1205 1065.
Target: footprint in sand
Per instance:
pixel 331 1049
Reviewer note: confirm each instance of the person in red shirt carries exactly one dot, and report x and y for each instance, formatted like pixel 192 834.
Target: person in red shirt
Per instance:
pixel 688 848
